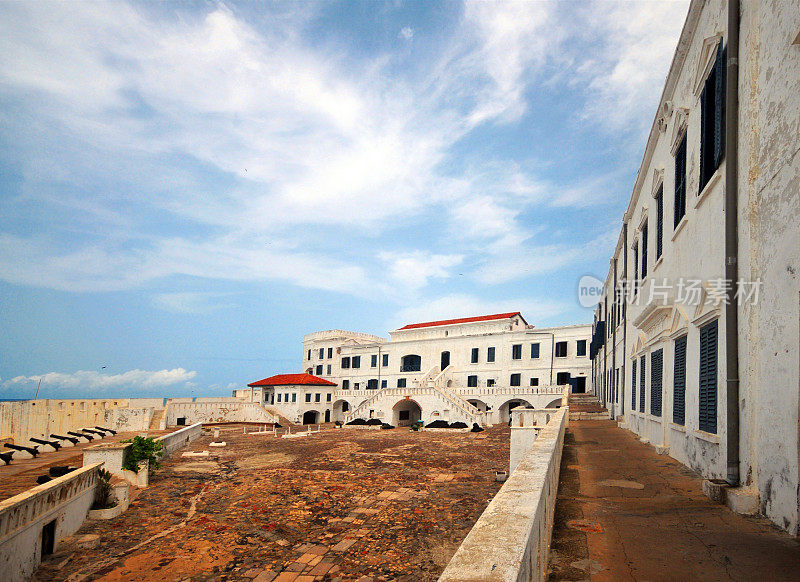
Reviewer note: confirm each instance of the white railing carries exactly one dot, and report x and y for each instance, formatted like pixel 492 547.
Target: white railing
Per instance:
pixel 180 438
pixel 511 539
pixel 521 391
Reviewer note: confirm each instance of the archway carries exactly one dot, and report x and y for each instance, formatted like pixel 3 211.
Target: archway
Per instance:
pixel 340 410
pixel 411 363
pixel 406 412
pixel 554 404
pixel 479 404
pixel 310 417
pixel 508 406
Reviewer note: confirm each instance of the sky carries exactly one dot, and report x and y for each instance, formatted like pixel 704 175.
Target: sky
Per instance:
pixel 186 189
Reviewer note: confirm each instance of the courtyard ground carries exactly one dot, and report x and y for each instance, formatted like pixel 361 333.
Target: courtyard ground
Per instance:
pixel 343 504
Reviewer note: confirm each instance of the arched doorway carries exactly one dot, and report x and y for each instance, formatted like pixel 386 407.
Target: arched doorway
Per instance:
pixel 507 407
pixel 479 404
pixel 406 412
pixel 411 363
pixel 554 404
pixel 310 417
pixel 340 409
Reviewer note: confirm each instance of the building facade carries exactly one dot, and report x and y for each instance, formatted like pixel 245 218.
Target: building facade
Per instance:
pixel 695 340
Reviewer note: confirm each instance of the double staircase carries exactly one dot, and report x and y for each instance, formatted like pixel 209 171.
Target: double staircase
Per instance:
pixel 434 383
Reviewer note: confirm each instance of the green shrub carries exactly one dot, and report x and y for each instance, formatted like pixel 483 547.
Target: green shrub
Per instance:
pixel 142 448
pixel 103 494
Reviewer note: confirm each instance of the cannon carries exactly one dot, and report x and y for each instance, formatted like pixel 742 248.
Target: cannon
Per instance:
pixel 34 451
pixel 88 437
pixel 55 444
pixel 94 432
pixel 42 479
pixel 6 457
pixel 73 440
pixel 59 471
pixel 111 430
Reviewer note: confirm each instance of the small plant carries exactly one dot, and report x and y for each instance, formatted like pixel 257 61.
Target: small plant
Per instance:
pixel 142 448
pixel 103 495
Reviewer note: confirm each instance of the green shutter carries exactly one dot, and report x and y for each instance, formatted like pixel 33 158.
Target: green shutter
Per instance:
pixel 679 383
pixel 656 375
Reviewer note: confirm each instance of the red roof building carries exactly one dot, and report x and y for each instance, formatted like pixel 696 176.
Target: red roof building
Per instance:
pixel 462 320
pixel 292 380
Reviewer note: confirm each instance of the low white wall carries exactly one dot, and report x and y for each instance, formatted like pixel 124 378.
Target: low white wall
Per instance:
pixel 217 411
pixel 525 426
pixel 66 500
pixel 180 438
pixel 511 540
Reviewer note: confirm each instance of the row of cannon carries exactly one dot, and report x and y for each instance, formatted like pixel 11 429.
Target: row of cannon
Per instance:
pixel 87 433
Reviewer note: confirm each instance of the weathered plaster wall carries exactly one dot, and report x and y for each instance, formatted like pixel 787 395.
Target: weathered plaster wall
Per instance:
pixel 223 411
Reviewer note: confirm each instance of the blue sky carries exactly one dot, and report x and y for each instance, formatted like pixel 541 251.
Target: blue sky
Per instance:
pixel 188 188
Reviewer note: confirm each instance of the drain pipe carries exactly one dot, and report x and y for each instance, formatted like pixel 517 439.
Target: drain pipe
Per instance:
pixel 732 240
pixel 615 388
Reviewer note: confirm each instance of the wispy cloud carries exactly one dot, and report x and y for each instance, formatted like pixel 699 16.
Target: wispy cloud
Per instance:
pixel 93 384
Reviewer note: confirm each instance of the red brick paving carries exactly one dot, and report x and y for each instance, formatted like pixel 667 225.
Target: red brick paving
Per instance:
pixel 339 505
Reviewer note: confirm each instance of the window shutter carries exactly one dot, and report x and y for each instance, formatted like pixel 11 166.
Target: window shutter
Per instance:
pixel 656 375
pixel 644 250
pixel 659 222
pixel 642 375
pixel 680 181
pixel 633 386
pixel 719 105
pixel 679 385
pixel 708 377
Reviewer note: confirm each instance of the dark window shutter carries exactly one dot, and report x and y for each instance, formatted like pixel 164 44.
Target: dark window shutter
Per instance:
pixel 680 181
pixel 633 386
pixel 679 385
pixel 719 105
pixel 708 377
pixel 635 266
pixel 644 250
pixel 642 376
pixel 659 222
pixel 656 375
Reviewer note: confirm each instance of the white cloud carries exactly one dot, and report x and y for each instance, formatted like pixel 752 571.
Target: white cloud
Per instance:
pixel 461 305
pixel 406 33
pixel 412 270
pixel 94 383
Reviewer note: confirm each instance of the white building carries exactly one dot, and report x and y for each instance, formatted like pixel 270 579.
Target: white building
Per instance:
pixel 701 356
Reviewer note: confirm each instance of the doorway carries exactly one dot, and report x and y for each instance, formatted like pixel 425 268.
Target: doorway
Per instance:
pixel 579 385
pixel 445 360
pixel 48 538
pixel 310 417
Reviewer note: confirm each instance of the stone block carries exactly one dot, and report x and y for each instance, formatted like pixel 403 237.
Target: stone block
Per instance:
pixel 742 500
pixel 662 450
pixel 715 489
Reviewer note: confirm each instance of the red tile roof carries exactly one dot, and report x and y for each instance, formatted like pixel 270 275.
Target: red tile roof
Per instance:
pixel 293 380
pixel 462 320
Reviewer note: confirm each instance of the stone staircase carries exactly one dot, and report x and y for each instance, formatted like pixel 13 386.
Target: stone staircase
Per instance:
pixel 276 414
pixel 157 422
pixel 585 407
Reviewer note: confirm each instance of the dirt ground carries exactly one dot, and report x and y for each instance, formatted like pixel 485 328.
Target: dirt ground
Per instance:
pixel 344 504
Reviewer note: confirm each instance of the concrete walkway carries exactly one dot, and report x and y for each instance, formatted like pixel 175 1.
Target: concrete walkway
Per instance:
pixel 625 513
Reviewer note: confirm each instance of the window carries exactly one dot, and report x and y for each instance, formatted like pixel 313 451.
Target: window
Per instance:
pixel 355 385
pixel 635 267
pixel 680 181
pixel 345 406
pixel 642 374
pixel 346 363
pixel 317 397
pixel 562 378
pixel 308 397
pixel 385 360
pixel 383 384
pixel 329 369
pixel 373 361
pixel 660 222
pixel 321 353
pixel 490 382
pixel 330 353
pixel 712 119
pixel 515 379
pixel 294 397
pixel 534 381
pixel 319 370
pixel 490 354
pixel 679 382
pixel 580 348
pixel 279 396
pixel 708 377
pixel 535 351
pixel 474 357
pixel 401 382
pixel 328 397
pixel 411 363
pixel 656 376
pixel 516 352
pixel 561 349
pixel 356 362
pixel 472 381
pixel 644 250
pixel 309 354
pixel 372 384
pixel 345 384
pixel 633 385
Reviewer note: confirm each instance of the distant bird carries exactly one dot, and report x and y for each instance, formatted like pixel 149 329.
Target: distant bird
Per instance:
pixel 102 367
